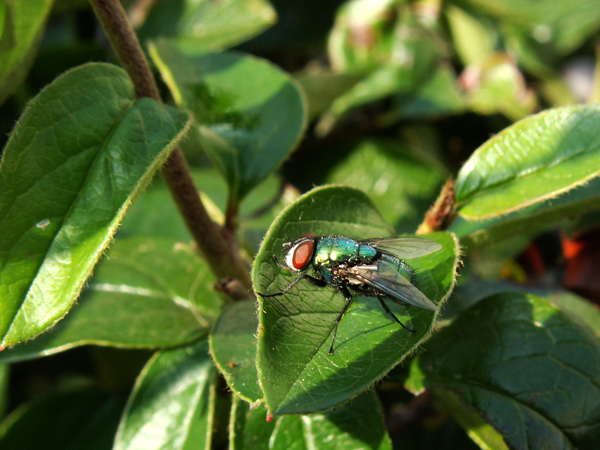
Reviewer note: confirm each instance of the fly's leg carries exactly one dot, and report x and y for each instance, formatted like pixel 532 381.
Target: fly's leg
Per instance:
pixel 313 280
pixel 348 297
pixel 389 311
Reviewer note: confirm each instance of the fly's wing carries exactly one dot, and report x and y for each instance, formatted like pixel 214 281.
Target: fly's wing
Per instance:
pixel 403 247
pixel 385 277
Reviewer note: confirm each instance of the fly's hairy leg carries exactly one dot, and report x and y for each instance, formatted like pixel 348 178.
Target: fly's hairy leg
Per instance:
pixel 389 311
pixel 313 280
pixel 348 297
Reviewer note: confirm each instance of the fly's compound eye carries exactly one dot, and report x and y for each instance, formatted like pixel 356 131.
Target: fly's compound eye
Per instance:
pixel 300 254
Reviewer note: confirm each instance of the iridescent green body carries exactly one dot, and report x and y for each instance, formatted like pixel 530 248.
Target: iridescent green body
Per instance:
pixel 331 252
pixel 371 267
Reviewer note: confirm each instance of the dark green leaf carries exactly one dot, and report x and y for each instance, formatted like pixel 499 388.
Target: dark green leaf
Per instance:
pixel 147 293
pixel 233 346
pixel 322 88
pixel 80 152
pixel 534 160
pixel 248 428
pixel 4 387
pixel 356 425
pixel 249 113
pixel 398 179
pixel 155 214
pixel 20 33
pixel 172 403
pixel 83 417
pixel 296 329
pixel 513 356
pixel 208 25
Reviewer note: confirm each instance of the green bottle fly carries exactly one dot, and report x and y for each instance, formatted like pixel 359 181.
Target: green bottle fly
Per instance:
pixel 371 267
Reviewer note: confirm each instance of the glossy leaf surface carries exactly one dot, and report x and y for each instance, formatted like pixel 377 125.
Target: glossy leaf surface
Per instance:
pixel 534 160
pixel 297 373
pixel 147 293
pixel 517 355
pixel 94 146
pixel 233 346
pixel 172 403
pixel 249 113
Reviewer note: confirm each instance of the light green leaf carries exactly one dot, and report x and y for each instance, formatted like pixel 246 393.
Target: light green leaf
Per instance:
pixel 69 419
pixel 495 84
pixel 78 155
pixel 20 34
pixel 233 346
pixel 296 329
pixel 517 355
pixel 534 160
pixel 172 404
pixel 473 37
pixel 565 25
pixel 199 25
pixel 531 219
pixel 249 113
pixel 147 293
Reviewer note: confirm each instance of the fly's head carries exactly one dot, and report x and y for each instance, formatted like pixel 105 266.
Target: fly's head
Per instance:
pixel 300 253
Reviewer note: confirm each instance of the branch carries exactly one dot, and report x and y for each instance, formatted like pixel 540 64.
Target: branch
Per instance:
pixel 220 252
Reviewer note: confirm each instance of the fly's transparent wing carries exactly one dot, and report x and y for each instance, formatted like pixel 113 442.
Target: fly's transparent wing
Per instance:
pixel 403 247
pixel 384 276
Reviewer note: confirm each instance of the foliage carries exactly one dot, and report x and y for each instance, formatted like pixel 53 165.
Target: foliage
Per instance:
pixel 379 103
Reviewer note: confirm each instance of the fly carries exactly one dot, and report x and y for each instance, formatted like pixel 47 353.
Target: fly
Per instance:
pixel 370 267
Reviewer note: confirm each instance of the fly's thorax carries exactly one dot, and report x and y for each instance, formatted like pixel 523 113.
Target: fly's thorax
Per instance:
pixel 334 250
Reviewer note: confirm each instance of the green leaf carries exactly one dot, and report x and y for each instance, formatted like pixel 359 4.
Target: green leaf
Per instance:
pixel 154 213
pixel 4 388
pixel 21 32
pixel 531 219
pixel 322 88
pixel 517 355
pixel 495 84
pixel 296 329
pixel 248 428
pixel 198 25
pixel 534 160
pixel 172 404
pixel 70 419
pixel 356 425
pixel 473 36
pixel 249 113
pixel 147 293
pixel 566 25
pixel 94 146
pixel 233 346
pixel 398 178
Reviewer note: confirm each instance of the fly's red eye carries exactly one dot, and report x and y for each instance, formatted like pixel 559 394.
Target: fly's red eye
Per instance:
pixel 302 254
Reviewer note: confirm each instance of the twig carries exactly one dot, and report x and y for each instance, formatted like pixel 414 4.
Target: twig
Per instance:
pixel 220 252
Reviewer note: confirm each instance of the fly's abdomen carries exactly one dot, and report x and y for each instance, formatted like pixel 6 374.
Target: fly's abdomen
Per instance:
pixel 400 266
pixel 335 250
